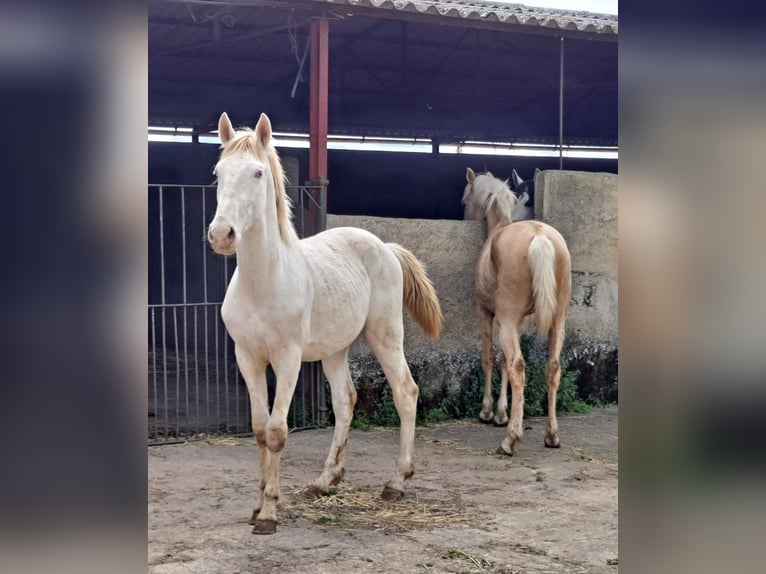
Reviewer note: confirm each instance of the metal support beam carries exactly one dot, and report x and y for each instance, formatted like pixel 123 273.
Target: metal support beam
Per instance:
pixel 319 99
pixel 318 113
pixel 561 107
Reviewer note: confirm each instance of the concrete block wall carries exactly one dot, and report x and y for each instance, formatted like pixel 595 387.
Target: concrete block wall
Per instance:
pixel 583 207
pixel 449 250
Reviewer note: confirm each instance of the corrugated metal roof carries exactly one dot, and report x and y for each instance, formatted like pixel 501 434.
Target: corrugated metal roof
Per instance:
pixel 488 11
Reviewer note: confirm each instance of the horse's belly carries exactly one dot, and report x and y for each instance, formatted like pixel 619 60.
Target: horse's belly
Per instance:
pixel 335 326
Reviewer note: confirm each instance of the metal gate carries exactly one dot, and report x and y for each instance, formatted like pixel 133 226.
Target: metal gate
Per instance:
pixel 195 388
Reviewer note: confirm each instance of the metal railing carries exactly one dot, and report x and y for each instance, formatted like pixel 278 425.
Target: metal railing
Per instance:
pixel 195 388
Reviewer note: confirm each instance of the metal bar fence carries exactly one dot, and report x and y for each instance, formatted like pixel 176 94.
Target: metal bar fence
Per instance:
pixel 195 388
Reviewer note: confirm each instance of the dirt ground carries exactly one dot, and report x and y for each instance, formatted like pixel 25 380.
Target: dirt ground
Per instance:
pixel 544 510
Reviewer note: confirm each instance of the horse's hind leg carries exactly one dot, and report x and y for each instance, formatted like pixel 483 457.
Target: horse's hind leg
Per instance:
pixel 553 377
pixel 501 413
pixel 487 362
pixel 515 371
pixel 343 401
pixel 385 336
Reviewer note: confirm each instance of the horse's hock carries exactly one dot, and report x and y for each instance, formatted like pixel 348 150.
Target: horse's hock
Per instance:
pixel 583 207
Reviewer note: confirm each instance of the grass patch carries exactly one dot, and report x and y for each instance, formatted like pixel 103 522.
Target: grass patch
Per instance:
pixel 466 403
pixel 457 554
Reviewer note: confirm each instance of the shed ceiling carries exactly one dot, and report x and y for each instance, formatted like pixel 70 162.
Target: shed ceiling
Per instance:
pixel 395 70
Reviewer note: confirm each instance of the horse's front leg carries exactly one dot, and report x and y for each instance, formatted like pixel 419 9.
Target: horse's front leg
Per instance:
pixel 286 367
pixel 254 373
pixel 487 362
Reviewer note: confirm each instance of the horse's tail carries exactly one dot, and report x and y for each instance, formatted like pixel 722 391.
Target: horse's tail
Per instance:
pixel 542 265
pixel 419 293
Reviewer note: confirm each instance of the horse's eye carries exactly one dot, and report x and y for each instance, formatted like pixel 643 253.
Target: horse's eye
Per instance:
pixel 259 173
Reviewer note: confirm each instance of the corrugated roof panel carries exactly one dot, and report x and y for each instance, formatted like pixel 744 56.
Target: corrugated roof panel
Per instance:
pixel 496 11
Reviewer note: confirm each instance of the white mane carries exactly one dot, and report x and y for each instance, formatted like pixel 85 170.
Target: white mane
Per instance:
pixel 488 192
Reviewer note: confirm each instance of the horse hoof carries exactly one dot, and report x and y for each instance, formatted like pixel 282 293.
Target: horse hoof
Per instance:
pixel 501 450
pixel 265 526
pixel 552 442
pixel 254 516
pixel 500 423
pixel 313 491
pixel 390 494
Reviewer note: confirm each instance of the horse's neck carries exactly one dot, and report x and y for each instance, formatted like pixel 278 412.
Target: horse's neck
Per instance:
pixel 496 221
pixel 263 257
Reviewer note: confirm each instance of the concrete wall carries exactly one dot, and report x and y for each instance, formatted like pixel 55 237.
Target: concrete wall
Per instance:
pixel 449 250
pixel 583 207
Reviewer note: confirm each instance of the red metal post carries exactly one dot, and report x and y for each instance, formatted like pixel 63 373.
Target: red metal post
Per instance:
pixel 319 100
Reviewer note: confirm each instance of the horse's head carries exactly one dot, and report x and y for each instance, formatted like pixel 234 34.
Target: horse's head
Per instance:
pixel 246 183
pixel 473 208
pixel 488 197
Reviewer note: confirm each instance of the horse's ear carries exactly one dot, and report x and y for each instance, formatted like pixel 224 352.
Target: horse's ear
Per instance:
pixel 225 129
pixel 537 170
pixel 263 130
pixel 517 181
pixel 470 175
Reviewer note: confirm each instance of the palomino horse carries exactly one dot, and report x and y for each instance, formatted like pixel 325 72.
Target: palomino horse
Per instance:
pixel 293 300
pixel 523 269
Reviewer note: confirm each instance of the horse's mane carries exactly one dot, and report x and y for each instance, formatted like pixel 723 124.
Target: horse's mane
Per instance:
pixel 246 141
pixel 490 193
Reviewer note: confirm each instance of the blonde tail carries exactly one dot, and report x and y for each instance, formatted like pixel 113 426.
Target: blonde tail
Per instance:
pixel 419 293
pixel 542 265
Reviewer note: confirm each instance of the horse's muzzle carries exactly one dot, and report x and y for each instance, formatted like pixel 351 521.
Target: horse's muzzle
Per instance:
pixel 222 238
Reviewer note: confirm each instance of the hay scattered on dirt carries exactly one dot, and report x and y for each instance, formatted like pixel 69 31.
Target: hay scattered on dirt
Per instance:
pixel 348 507
pixel 230 441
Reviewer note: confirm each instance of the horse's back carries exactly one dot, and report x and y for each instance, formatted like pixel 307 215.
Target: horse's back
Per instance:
pixel 351 246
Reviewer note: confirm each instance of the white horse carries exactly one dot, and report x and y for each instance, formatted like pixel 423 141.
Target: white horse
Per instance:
pixel 293 300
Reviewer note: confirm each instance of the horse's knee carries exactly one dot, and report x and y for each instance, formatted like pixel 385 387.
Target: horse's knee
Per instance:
pixel 554 372
pixel 276 436
pixel 260 435
pixel 518 364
